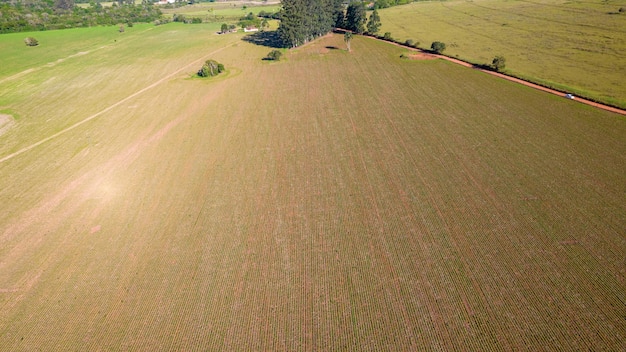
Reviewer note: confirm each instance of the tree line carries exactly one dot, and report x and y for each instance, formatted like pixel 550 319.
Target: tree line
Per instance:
pixel 38 15
pixel 304 20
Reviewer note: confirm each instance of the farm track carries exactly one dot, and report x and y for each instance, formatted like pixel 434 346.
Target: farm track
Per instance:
pixel 110 107
pixel 510 78
pixel 570 47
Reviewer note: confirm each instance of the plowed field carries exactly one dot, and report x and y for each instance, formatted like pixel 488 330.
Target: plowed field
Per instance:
pixel 329 201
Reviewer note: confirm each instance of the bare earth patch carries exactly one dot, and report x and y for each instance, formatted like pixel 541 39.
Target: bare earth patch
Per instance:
pixel 6 121
pixel 421 56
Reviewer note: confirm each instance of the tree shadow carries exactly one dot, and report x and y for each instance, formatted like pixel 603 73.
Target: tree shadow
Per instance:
pixel 270 39
pixel 332 47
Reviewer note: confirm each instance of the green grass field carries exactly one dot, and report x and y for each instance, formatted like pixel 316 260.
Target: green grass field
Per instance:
pixel 220 11
pixel 329 201
pixel 572 46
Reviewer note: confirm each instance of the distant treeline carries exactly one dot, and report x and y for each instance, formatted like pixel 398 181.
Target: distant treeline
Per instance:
pixel 39 15
pixel 381 4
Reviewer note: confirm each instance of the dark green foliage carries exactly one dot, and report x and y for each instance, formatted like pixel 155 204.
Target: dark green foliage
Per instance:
pixel 291 29
pixel 304 20
pixel 340 19
pixel 249 20
pixel 185 19
pixel 438 47
pixel 381 4
pixel 387 36
pixel 274 55
pixel 498 63
pixel 211 68
pixel 37 15
pixel 270 15
pixel 409 42
pixel 224 28
pixel 373 24
pixel 30 41
pixel 338 13
pixel 356 17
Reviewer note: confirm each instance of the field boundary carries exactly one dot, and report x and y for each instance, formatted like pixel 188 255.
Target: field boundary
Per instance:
pixel 501 75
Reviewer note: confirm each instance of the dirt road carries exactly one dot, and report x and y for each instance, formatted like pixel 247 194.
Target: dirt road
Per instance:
pixel 513 79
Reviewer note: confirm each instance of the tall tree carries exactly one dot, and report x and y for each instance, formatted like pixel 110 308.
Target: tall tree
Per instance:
pixel 339 17
pixel 355 17
pixel 292 17
pixel 373 25
pixel 347 37
pixel 305 20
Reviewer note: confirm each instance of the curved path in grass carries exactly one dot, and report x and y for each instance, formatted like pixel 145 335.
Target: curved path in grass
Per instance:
pixel 89 118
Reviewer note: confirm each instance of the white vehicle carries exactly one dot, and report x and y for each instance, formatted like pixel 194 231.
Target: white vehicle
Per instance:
pixel 569 96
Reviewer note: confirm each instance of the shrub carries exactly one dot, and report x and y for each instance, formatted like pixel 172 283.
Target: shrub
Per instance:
pixel 438 47
pixel 211 68
pixel 387 36
pixel 30 41
pixel 409 42
pixel 498 63
pixel 274 55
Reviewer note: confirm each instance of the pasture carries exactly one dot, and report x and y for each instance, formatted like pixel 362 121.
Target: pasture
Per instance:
pixel 575 46
pixel 329 201
pixel 220 11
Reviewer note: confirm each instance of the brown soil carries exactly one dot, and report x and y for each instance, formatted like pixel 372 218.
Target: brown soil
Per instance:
pixel 421 56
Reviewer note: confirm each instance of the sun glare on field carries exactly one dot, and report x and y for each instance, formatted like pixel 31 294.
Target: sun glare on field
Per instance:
pixel 103 189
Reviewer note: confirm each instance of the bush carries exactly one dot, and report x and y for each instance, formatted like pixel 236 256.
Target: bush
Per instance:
pixel 409 42
pixel 30 41
pixel 274 55
pixel 211 68
pixel 387 36
pixel 498 63
pixel 438 47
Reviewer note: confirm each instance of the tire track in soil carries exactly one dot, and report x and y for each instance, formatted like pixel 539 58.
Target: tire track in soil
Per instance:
pixel 54 63
pixel 24 285
pixel 112 106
